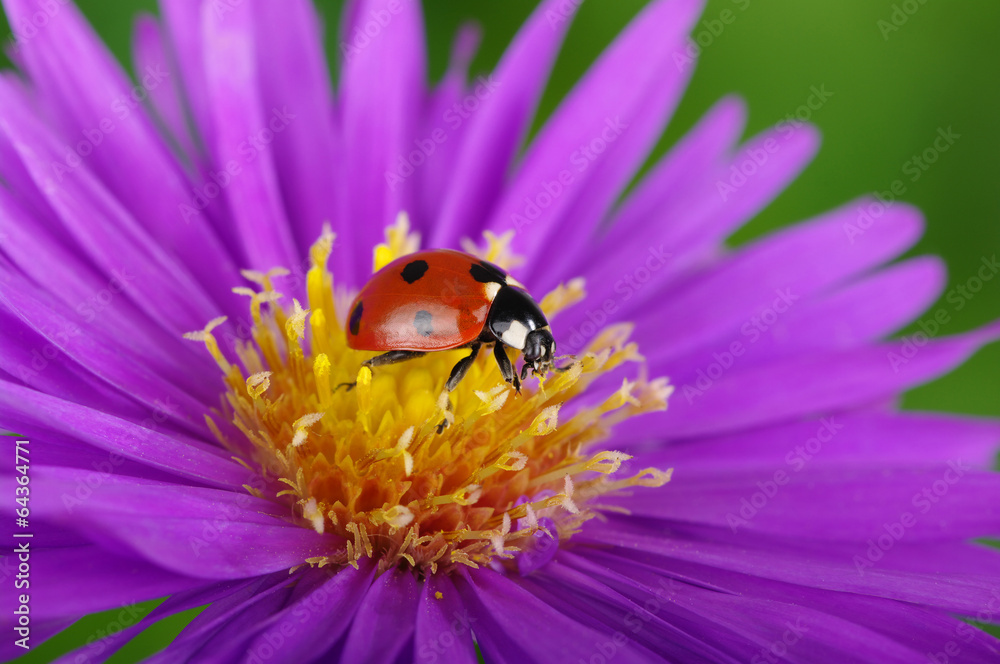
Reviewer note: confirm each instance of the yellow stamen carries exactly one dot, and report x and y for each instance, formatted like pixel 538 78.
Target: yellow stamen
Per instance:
pixel 563 297
pixel 497 249
pixel 205 335
pixel 399 241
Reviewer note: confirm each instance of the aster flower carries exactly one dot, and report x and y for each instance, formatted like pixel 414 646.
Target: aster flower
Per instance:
pixel 781 507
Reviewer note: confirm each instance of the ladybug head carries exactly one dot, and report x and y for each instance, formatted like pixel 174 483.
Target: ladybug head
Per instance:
pixel 539 349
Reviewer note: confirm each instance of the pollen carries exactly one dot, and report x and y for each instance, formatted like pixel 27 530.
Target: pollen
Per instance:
pixel 369 464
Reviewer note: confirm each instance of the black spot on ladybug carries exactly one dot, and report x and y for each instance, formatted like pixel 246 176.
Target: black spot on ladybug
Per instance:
pixel 422 322
pixel 414 270
pixel 487 273
pixel 355 321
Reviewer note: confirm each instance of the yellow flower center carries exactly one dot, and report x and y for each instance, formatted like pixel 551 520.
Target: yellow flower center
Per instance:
pixel 369 465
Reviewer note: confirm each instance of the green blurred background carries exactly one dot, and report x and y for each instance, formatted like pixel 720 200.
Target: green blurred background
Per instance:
pixel 892 91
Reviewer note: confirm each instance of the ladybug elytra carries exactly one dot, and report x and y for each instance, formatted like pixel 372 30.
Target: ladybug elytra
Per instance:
pixel 443 299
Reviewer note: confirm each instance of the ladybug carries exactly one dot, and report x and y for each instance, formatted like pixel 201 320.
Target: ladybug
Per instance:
pixel 443 299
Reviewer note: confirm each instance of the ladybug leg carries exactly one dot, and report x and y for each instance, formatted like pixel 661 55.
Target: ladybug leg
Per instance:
pixel 461 368
pixel 457 374
pixel 506 368
pixel 392 357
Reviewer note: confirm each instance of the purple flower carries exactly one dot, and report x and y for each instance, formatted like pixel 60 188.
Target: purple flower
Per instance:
pixel 781 508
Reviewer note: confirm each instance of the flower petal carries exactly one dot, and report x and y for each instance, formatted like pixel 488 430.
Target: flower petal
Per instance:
pixel 89 94
pixel 150 53
pixel 182 21
pixel 35 415
pixel 292 73
pixel 72 581
pixel 847 441
pixel 446 130
pixel 107 359
pixel 674 186
pixel 100 650
pixel 108 233
pixel 863 311
pixel 756 618
pixel 499 124
pixel 787 388
pixel 444 626
pixel 512 625
pixel 61 273
pixel 785 268
pixel 946 502
pixel 319 619
pixel 204 533
pixel 382 88
pixel 242 131
pixel 927 574
pixel 638 619
pixel 620 107
pixel 685 231
pixel 384 623
pixel 229 622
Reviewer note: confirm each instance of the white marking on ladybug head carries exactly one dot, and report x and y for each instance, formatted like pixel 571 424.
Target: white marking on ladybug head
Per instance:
pixel 515 335
pixel 492 288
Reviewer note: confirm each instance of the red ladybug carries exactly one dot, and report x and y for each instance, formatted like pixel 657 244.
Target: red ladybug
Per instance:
pixel 441 300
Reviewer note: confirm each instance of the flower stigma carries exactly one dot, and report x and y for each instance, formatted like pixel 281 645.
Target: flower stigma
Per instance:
pixel 369 465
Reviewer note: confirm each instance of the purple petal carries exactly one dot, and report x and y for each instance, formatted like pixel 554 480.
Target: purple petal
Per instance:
pixel 229 622
pixel 21 356
pixel 679 174
pixel 852 440
pixel 694 234
pixel 787 266
pixel 103 357
pixel 637 619
pixel 444 626
pixel 753 177
pixel 760 620
pixel 99 651
pixel 867 310
pixel 860 312
pixel 944 502
pixel 182 21
pixel 205 533
pixel 73 581
pixel 242 132
pixel 925 573
pixel 33 414
pixel 498 125
pixel 384 623
pixel 620 106
pixel 319 619
pixel 292 73
pixel 441 121
pixel 130 158
pixel 93 299
pixel 149 50
pixel 382 86
pixel 109 234
pixel 63 450
pixel 512 625
pixel 788 388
